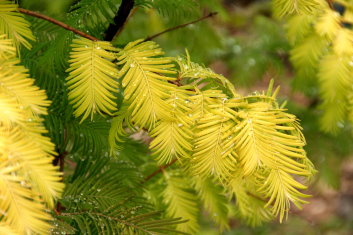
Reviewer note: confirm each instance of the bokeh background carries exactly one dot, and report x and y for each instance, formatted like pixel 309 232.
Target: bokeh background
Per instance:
pixel 247 45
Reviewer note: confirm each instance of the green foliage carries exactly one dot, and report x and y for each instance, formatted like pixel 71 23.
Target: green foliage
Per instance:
pixel 214 200
pixel 225 151
pixel 322 51
pixel 91 87
pixel 181 202
pixel 14 25
pixel 102 197
pixel 300 7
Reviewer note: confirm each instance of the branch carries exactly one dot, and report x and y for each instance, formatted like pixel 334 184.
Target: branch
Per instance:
pixel 59 23
pixel 181 26
pixel 159 171
pixel 330 4
pixel 119 20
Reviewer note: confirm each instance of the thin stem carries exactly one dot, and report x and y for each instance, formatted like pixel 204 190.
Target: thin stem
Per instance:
pixel 255 196
pixel 181 26
pixel 59 23
pixel 160 170
pixel 119 20
pixel 330 4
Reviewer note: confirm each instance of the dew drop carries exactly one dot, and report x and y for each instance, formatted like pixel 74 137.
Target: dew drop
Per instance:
pixel 251 62
pixel 236 49
pixel 340 124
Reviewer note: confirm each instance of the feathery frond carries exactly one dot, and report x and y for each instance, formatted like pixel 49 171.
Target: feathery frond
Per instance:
pixel 283 8
pixel 299 27
pixel 87 137
pixel 94 14
pixel 7 51
pixel 261 138
pixel 14 25
pixel 270 148
pixel 307 54
pixel 199 74
pixel 37 179
pixel 16 83
pixel 282 189
pixel 91 80
pixel 103 198
pixel 214 201
pixel 214 151
pixel 250 207
pixel 117 130
pixel 177 9
pixel 173 135
pixel 144 78
pixel 5 229
pixel 29 181
pixel 22 207
pixel 335 77
pixel 328 24
pixel 181 202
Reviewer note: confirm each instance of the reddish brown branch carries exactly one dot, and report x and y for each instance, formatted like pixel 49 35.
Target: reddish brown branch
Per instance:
pixel 330 3
pixel 59 23
pixel 181 26
pixel 159 171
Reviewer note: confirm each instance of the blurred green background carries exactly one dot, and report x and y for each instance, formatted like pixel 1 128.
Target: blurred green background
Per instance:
pixel 244 43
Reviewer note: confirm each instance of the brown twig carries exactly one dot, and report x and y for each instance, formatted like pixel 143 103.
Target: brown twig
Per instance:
pixel 59 23
pixel 156 172
pixel 255 196
pixel 119 20
pixel 330 3
pixel 181 26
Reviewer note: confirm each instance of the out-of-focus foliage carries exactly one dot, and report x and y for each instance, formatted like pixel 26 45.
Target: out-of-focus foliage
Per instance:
pixel 322 52
pixel 29 183
pixel 228 178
